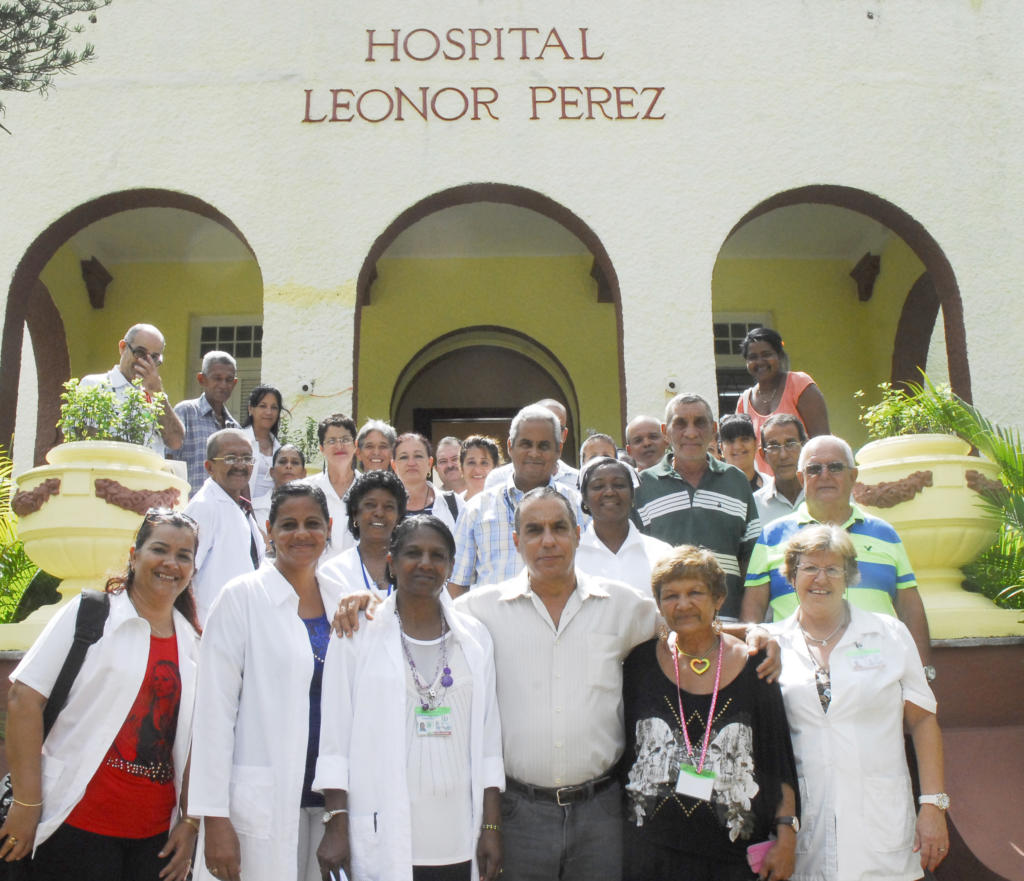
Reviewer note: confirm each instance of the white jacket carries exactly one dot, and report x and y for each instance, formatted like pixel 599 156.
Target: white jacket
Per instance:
pixel 364 721
pixel 264 502
pixel 252 720
pixel 224 543
pixel 100 699
pixel 851 761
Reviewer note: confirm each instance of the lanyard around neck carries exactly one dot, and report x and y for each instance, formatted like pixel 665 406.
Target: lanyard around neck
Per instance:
pixel 711 712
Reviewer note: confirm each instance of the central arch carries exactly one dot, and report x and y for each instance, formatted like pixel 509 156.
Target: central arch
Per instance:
pixel 474 354
pixel 490 267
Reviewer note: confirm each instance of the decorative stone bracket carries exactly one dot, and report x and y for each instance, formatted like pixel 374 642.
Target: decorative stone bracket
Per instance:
pixel 891 493
pixel 29 501
pixel 981 484
pixel 137 500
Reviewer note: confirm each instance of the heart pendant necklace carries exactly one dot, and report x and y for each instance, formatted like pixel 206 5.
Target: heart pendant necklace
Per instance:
pixel 701 662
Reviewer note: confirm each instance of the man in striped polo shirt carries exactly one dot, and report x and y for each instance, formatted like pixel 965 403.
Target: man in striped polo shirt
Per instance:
pixel 690 497
pixel 887 582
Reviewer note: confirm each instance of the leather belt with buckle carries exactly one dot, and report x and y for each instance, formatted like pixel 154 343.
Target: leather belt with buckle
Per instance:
pixel 562 795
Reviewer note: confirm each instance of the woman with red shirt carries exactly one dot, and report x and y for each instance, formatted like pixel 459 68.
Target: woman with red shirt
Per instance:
pixel 98 797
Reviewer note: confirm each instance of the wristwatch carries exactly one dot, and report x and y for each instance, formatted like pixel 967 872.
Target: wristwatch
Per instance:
pixel 788 821
pixel 930 672
pixel 939 799
pixel 330 815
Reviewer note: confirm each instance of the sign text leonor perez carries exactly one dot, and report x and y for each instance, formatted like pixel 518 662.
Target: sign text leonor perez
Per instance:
pixel 475 103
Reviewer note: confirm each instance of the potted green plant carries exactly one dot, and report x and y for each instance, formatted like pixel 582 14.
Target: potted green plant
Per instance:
pixel 918 475
pixel 96 412
pixel 77 514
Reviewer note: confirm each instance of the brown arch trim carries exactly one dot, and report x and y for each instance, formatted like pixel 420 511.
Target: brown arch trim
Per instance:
pixel 42 250
pixel 53 365
pixel 603 271
pixel 914 332
pixel 936 265
pixel 572 405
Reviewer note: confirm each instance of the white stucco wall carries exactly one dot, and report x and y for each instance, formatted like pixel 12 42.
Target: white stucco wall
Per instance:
pixel 914 101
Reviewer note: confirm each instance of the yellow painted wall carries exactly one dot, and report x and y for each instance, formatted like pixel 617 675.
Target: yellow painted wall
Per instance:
pixel 843 343
pixel 551 299
pixel 164 294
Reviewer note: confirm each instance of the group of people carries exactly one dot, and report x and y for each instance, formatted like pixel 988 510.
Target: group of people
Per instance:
pixel 643 669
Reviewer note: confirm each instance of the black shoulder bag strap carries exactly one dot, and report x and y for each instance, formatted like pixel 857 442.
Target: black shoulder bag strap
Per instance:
pixel 453 506
pixel 92 615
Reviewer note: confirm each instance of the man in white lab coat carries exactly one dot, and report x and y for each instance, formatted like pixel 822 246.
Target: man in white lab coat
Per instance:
pixel 230 543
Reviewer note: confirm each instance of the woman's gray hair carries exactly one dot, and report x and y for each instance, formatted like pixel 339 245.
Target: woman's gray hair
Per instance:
pixel 821 537
pixel 377 425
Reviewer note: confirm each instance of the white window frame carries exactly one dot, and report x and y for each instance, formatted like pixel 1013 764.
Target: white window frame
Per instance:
pixel 249 369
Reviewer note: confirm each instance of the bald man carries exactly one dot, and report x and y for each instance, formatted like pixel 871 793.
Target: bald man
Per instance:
pixel 141 352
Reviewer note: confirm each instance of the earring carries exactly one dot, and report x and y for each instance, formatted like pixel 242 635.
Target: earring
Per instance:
pixel 716 625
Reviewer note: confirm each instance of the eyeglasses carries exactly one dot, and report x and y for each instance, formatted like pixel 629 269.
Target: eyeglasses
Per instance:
pixel 831 572
pixel 815 468
pixel 231 461
pixel 156 357
pixel 335 441
pixel 791 445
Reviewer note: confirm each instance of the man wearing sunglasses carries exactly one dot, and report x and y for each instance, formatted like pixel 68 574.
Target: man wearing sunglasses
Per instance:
pixel 141 354
pixel 230 542
pixel 887 582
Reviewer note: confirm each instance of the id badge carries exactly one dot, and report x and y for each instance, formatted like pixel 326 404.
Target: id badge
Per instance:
pixel 434 723
pixel 694 784
pixel 866 659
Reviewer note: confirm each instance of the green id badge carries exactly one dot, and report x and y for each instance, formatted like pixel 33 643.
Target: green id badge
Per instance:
pixel 695 784
pixel 434 723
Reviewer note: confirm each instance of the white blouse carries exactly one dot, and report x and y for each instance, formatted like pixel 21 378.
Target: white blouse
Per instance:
pixel 857 810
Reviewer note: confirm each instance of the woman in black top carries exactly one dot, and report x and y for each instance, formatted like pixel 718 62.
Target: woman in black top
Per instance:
pixel 697 798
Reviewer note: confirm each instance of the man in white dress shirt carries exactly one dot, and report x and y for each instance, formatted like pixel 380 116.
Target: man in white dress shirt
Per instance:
pixel 230 544
pixel 141 354
pixel 782 438
pixel 559 640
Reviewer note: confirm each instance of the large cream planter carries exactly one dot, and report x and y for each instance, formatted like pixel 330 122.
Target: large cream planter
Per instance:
pixel 943 526
pixel 82 533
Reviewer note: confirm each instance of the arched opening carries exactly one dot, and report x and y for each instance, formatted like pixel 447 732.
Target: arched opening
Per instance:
pixel 495 270
pixel 144 255
pixel 473 382
pixel 846 277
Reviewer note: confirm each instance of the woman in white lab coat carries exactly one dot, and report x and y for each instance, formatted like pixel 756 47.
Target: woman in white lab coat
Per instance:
pixel 852 680
pixel 415 685
pixel 257 724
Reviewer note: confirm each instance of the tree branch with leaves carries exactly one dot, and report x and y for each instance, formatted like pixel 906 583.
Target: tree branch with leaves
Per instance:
pixel 35 42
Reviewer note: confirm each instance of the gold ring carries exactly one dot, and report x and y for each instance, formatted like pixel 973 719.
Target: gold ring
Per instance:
pixel 12 839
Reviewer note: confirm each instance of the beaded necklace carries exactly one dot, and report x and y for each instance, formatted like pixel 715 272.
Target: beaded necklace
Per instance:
pixel 427 691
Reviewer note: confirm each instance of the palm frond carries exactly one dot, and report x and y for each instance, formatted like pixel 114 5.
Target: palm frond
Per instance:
pixel 16 569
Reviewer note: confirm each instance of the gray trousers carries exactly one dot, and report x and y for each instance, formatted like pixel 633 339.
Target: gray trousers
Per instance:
pixel 580 842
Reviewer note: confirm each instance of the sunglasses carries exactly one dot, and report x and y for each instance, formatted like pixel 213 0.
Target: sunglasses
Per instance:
pixel 815 468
